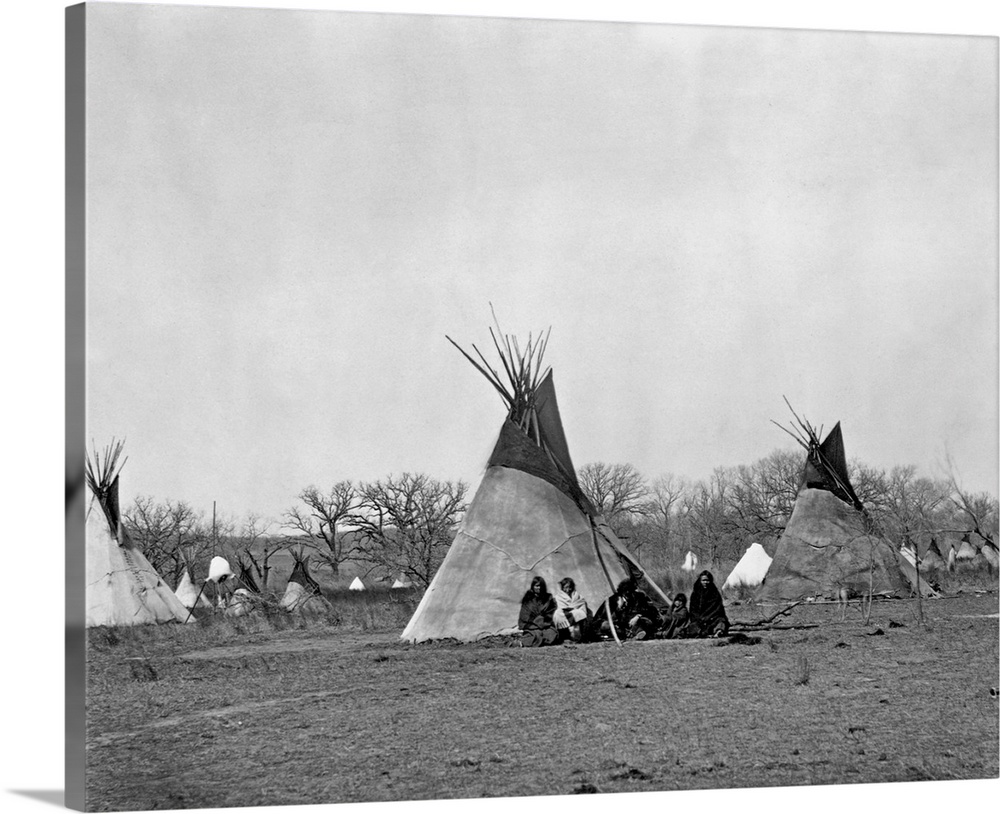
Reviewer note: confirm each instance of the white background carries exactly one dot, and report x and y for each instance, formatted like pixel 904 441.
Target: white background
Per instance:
pixel 31 314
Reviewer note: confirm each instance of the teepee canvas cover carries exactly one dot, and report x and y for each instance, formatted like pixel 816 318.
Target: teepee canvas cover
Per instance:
pixel 122 587
pixel 528 518
pixel 828 543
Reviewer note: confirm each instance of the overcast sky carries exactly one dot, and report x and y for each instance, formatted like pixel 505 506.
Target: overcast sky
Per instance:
pixel 287 212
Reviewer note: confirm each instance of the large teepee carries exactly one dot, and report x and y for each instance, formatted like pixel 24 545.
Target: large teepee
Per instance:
pixel 829 543
pixel 122 587
pixel 528 517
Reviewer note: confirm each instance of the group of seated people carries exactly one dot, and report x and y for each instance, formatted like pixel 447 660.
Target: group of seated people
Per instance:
pixel 546 619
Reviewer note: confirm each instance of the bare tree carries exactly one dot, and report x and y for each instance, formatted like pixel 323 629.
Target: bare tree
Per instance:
pixel 708 521
pixel 405 524
pixel 255 543
pixel 319 522
pixel 763 494
pixel 169 534
pixel 618 491
pixel 979 510
pixel 664 497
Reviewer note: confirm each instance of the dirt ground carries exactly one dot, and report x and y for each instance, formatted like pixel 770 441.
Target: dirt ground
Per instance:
pixel 330 715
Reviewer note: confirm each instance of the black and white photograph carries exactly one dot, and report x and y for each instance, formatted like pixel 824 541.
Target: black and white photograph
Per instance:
pixel 479 409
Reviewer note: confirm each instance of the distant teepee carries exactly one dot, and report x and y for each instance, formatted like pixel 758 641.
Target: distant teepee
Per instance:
pixel 245 597
pixel 933 561
pixel 751 569
pixel 967 553
pixel 302 593
pixel 188 593
pixel 990 554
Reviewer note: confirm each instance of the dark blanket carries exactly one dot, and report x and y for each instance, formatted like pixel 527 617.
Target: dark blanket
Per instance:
pixel 535 620
pixel 677 624
pixel 633 612
pixel 707 608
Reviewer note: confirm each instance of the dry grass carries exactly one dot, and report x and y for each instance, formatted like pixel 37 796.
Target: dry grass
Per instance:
pixel 800 674
pixel 227 714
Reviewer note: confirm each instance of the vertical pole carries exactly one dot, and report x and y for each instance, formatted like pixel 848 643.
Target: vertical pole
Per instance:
pixel 920 598
pixel 215 538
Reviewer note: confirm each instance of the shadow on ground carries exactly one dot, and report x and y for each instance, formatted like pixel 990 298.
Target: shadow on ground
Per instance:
pixel 56 797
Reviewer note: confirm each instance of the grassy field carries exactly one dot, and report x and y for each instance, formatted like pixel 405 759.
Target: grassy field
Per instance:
pixel 273 710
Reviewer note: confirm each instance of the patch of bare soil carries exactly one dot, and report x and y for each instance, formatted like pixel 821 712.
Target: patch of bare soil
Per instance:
pixel 335 716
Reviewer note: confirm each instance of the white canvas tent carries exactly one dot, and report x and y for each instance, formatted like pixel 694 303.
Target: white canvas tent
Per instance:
pixel 122 587
pixel 751 569
pixel 401 583
pixel 189 594
pixel 357 585
pixel 690 562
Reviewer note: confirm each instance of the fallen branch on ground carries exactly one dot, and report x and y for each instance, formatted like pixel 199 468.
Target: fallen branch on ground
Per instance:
pixel 761 623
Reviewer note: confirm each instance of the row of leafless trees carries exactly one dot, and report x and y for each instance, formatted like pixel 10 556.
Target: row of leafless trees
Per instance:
pixel 401 526
pixel 720 517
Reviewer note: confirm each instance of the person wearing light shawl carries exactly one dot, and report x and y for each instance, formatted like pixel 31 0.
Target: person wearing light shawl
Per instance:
pixel 535 619
pixel 571 616
pixel 707 609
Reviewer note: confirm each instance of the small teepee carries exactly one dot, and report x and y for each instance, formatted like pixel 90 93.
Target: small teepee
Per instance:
pixel 401 582
pixel 356 585
pixel 190 595
pixel 933 561
pixel 302 594
pixel 751 569
pixel 990 554
pixel 967 553
pixel 122 586
pixel 244 599
pixel 690 562
pixel 529 516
